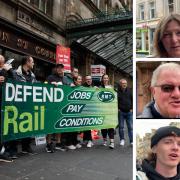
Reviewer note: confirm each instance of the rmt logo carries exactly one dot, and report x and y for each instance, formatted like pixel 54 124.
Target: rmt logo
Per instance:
pixel 105 96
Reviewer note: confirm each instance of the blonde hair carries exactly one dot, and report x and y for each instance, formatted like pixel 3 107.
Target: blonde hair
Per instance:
pixel 159 50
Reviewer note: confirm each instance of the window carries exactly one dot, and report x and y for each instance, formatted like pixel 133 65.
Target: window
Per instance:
pixel 171 6
pixel 141 11
pixel 96 2
pixel 152 10
pixel 151 37
pixel 43 5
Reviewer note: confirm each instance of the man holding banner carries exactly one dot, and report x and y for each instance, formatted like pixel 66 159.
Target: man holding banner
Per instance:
pixel 24 74
pixel 3 75
pixel 31 109
pixel 87 134
pixel 57 78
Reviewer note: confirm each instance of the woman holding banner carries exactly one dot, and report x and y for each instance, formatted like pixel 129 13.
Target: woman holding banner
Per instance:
pixel 110 131
pixel 72 140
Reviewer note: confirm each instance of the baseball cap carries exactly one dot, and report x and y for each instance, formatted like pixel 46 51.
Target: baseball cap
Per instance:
pixel 60 65
pixel 164 132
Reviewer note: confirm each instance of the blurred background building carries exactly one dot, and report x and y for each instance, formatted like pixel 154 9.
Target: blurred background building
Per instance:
pixel 148 14
pixel 99 32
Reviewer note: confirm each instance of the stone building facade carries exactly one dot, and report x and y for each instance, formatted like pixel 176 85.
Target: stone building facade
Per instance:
pixel 29 27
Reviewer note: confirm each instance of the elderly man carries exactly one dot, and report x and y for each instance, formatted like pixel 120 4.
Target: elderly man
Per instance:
pixel 165 89
pixel 125 106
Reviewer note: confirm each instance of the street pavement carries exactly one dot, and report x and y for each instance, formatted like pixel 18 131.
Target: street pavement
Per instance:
pixel 96 163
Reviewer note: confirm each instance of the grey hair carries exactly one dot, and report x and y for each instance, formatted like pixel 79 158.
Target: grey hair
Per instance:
pixel 122 80
pixel 168 66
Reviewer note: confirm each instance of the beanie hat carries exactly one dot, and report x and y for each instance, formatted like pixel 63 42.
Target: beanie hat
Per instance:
pixel 164 132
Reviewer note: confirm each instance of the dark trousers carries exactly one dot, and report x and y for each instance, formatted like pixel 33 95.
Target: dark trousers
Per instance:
pixel 12 146
pixel 25 143
pixel 87 136
pixel 109 132
pixel 71 138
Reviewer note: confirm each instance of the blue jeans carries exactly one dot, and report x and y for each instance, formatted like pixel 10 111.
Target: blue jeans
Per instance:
pixel 122 116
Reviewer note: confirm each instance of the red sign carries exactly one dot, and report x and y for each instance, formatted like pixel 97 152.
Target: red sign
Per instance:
pixel 98 70
pixel 63 57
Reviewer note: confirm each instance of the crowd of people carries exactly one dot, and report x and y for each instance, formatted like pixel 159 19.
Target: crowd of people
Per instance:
pixel 68 140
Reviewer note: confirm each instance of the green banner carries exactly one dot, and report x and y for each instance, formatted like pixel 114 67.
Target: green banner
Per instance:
pixel 33 109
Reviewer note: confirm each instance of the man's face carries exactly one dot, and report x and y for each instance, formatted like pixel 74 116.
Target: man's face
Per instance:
pixel 75 73
pixel 30 63
pixel 171 39
pixel 167 152
pixel 2 60
pixel 88 80
pixel 60 71
pixel 123 84
pixel 168 102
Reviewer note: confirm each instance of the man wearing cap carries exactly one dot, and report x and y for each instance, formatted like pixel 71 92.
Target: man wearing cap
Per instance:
pixel 163 163
pixel 57 78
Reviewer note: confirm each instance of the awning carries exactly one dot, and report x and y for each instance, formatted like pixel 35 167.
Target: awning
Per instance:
pixel 114 47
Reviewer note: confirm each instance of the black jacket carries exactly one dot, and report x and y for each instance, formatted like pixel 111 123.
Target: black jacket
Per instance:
pixel 57 78
pixel 125 99
pixel 148 168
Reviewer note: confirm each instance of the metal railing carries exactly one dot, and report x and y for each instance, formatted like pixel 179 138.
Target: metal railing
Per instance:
pixel 102 17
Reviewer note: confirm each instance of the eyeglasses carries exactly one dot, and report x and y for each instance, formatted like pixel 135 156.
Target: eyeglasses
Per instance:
pixel 168 88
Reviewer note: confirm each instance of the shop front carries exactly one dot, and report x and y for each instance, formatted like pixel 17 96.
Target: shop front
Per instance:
pixel 16 42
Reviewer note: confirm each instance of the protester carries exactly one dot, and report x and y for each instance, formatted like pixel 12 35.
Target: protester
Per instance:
pixel 125 107
pixel 72 75
pixel 57 78
pixel 167 37
pixel 23 74
pixel 163 162
pixel 87 134
pixel 165 89
pixel 110 131
pixel 72 140
pixel 68 135
pixel 3 75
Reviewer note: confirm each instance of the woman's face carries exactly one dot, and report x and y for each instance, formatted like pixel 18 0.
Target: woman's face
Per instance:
pixel 171 39
pixel 79 81
pixel 105 79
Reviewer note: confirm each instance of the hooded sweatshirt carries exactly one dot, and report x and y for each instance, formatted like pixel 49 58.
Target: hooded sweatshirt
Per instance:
pixel 149 169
